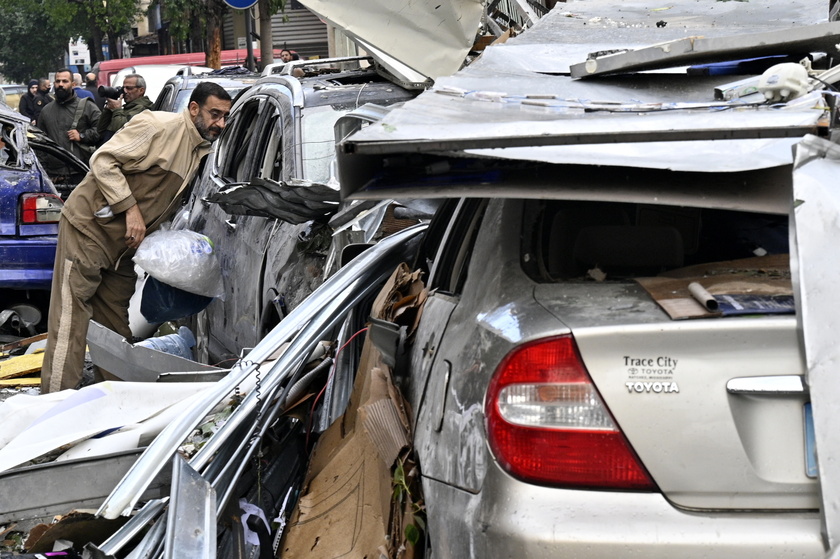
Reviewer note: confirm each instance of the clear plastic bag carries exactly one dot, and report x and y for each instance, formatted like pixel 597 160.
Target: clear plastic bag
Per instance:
pixel 183 259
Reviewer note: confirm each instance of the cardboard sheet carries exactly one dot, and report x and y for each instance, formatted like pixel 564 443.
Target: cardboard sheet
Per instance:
pixel 345 509
pixel 79 527
pixel 759 285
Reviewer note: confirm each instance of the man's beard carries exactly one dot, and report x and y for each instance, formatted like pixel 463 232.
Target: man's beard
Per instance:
pixel 62 94
pixel 209 133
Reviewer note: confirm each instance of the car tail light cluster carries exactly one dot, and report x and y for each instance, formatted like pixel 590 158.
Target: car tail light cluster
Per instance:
pixel 547 424
pixel 39 209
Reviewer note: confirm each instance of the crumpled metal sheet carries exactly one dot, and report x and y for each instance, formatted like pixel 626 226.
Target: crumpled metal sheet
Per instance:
pixel 135 363
pixel 429 36
pixel 294 201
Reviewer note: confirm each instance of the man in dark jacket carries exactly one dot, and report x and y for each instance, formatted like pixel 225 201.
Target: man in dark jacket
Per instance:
pixel 115 114
pixel 27 102
pixel 69 124
pixel 90 85
pixel 35 99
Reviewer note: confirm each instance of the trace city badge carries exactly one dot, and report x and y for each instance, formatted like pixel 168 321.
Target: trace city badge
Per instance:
pixel 651 374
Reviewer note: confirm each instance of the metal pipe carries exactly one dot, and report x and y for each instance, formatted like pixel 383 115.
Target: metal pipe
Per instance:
pixel 303 342
pixel 125 495
pixel 246 439
pixel 218 480
pixel 130 529
pixel 372 268
pixel 254 442
pixel 149 546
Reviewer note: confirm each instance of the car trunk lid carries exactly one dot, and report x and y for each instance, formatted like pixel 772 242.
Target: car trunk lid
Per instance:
pixel 665 382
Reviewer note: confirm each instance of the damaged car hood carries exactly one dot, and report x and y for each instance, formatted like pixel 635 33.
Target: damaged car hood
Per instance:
pixel 402 30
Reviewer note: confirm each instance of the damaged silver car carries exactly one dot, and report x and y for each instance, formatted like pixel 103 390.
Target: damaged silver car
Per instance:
pixel 269 191
pixel 610 362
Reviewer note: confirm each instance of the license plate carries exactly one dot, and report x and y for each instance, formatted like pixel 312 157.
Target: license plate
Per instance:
pixel 810 443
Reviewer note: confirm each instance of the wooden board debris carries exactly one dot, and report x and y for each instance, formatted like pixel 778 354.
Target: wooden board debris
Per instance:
pixel 24 342
pixel 21 365
pixel 16 382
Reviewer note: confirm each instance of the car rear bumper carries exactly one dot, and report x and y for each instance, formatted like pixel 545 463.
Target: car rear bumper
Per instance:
pixel 513 519
pixel 26 263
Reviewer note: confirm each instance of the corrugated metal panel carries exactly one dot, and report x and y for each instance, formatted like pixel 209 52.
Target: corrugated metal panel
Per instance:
pixel 302 32
pixel 228 40
pixel 299 30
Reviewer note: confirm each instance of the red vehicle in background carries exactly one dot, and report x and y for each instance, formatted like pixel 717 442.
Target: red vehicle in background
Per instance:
pixel 107 69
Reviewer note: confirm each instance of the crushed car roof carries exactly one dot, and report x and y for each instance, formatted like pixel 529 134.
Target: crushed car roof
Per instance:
pixel 500 108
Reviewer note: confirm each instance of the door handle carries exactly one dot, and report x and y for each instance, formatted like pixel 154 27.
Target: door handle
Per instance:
pixel 775 385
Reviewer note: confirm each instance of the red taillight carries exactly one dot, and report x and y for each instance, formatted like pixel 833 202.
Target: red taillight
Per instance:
pixel 547 424
pixel 39 209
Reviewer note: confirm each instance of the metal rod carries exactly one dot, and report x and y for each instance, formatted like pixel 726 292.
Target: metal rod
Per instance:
pixel 599 137
pixel 255 441
pixel 130 529
pixel 246 438
pixel 150 544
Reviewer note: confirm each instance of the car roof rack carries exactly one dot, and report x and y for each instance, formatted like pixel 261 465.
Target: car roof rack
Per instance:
pixel 318 65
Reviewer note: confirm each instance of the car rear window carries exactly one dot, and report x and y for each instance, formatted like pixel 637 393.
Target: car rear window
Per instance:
pixel 564 240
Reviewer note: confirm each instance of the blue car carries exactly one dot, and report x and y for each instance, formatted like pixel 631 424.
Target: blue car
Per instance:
pixel 36 175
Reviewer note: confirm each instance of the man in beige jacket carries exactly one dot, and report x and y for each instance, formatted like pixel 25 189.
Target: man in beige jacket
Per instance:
pixel 135 183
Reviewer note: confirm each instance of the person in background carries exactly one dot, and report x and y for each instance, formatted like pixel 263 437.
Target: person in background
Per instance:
pixel 77 87
pixel 70 121
pixel 136 182
pixel 40 98
pixel 287 55
pixel 90 85
pixel 115 114
pixel 27 104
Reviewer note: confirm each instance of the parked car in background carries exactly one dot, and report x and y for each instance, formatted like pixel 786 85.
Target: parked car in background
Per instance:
pixel 107 69
pixel 12 93
pixel 30 205
pixel 156 75
pixel 279 141
pixel 174 95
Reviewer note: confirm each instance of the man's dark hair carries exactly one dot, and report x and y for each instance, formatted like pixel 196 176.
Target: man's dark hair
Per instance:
pixel 205 89
pixel 68 70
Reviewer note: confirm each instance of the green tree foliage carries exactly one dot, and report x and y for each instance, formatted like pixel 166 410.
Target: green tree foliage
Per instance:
pixel 184 16
pixel 35 33
pixel 114 17
pixel 32 43
pixel 207 14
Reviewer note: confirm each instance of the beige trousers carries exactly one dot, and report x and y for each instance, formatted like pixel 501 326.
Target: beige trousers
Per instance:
pixel 85 285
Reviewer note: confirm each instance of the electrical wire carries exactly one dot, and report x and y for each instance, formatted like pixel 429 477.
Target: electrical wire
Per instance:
pixel 329 378
pixel 825 83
